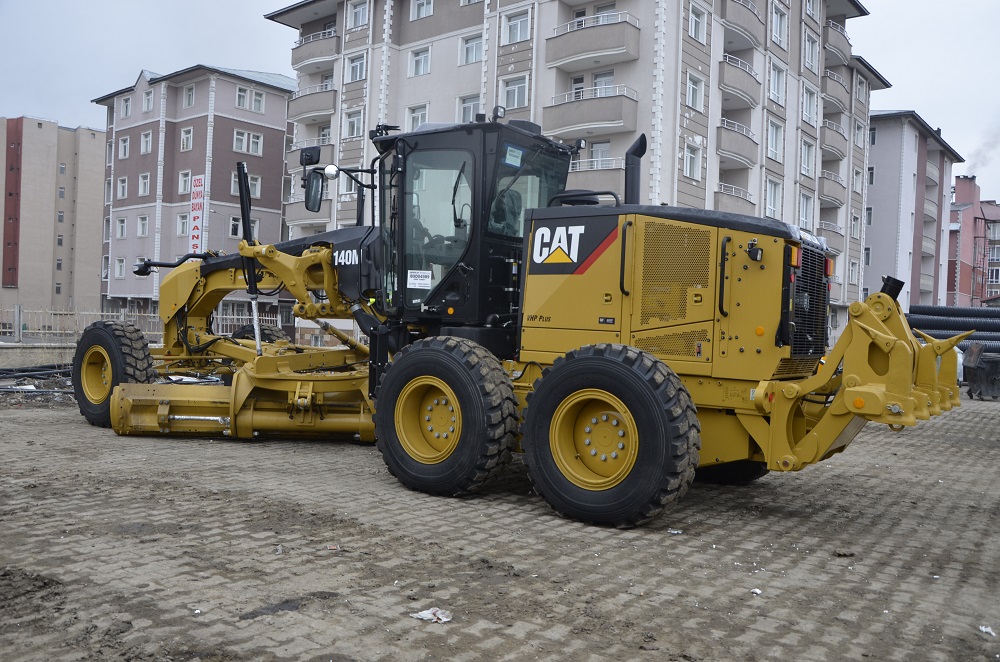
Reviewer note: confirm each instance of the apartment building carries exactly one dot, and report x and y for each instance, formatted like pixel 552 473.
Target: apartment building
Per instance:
pixel 170 187
pixel 974 245
pixel 757 109
pixel 52 212
pixel 907 217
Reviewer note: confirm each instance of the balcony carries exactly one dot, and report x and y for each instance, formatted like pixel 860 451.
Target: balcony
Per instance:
pixel 933 173
pixel 595 111
pixel 928 246
pixel 608 38
pixel 326 152
pixel 926 282
pixel 297 214
pixel 739 83
pixel 833 141
pixel 737 145
pixel 596 174
pixel 837 43
pixel 836 90
pixel 735 200
pixel 312 102
pixel 930 210
pixel 834 235
pixel 744 17
pixel 832 189
pixel 313 52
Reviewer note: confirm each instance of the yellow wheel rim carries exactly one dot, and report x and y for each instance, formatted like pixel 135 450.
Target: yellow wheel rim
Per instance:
pixel 428 420
pixel 95 374
pixel 593 439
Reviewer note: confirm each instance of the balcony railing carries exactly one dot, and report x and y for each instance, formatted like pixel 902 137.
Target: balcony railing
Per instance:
pixel 737 62
pixel 595 93
pixel 312 142
pixel 312 89
pixel 735 191
pixel 596 19
pixel 830 227
pixel 833 126
pixel 837 27
pixel 749 5
pixel 833 75
pixel 738 128
pixel 316 36
pixel 826 174
pixel 584 165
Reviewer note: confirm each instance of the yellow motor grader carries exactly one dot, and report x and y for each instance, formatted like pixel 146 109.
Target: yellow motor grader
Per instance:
pixel 624 349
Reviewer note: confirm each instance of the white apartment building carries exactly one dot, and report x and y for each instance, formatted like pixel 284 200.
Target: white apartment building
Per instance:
pixel 756 109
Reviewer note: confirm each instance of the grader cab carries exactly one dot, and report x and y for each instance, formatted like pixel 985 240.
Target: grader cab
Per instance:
pixel 624 349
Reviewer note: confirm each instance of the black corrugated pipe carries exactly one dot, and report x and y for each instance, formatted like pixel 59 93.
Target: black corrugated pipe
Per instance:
pixel 954 311
pixel 633 161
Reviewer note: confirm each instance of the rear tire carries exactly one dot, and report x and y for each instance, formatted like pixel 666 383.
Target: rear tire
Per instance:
pixel 741 472
pixel 611 435
pixel 445 416
pixel 108 354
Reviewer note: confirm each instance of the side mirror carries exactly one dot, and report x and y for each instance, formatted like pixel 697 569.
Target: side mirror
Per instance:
pixel 315 181
pixel 309 156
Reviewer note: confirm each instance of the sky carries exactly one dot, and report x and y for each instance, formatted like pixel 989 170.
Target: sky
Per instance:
pixel 61 54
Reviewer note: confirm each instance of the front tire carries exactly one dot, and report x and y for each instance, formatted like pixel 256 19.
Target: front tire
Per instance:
pixel 611 436
pixel 108 354
pixel 445 416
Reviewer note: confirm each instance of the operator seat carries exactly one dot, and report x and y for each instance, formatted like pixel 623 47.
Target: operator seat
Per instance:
pixel 506 215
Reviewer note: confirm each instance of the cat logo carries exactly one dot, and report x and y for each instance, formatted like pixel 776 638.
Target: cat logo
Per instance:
pixel 558 245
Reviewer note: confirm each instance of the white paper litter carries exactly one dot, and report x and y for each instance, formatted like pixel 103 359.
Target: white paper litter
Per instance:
pixel 756 591
pixel 434 615
pixel 986 629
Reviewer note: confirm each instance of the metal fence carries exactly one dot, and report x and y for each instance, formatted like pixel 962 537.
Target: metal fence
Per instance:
pixel 56 327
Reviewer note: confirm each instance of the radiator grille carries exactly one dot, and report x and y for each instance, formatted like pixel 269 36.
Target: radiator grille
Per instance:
pixel 688 344
pixel 674 260
pixel 811 299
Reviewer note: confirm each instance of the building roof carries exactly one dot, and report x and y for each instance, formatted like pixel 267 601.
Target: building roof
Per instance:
pixel 876 81
pixel 276 81
pixel 302 12
pixel 912 116
pixel 847 8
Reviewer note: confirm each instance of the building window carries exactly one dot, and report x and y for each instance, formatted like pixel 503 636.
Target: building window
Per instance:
pixel 105 261
pixel 184 181
pixel 868 215
pixel 58 265
pixel 472 49
pixel 251 143
pixel 775 140
pixel 808 158
pixel 122 187
pixel 59 285
pixel 353 124
pixel 236 227
pixel 62 191
pixel 250 99
pixel 349 186
pixel 60 216
pixel 415 116
pixel 692 162
pixel 773 198
pixel 253 181
pixel 810 51
pixel 182 225
pixel 518 27
pixel 861 89
pixel 871 175
pixel 871 135
pixel 515 92
pixel 420 62
pixel 62 168
pixel 468 108
pixel 859 134
pixel 696 23
pixel 187 139
pixel 806 211
pixel 852 272
pixel 857 185
pixel 600 154
pixel 776 89
pixel 356 69
pixel 144 184
pixel 779 25
pixel 107 191
pixel 147 101
pixel 138 261
pixel 855 226
pixel 119 268
pixel 995 253
pixel 146 142
pixel 812 9
pixel 357 13
pixel 120 228
pixel 109 153
pixel 421 9
pixel 868 257
pixel 993 275
pixel 59 240
pixel 695 92
pixel 142 226
pixel 126 107
pixel 188 96
pixel 123 147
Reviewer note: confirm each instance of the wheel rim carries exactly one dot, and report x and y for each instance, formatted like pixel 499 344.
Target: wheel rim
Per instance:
pixel 593 439
pixel 428 420
pixel 95 374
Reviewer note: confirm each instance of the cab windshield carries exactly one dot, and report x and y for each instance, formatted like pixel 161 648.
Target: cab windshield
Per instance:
pixel 526 178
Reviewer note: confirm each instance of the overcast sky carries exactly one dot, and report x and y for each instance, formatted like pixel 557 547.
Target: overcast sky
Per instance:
pixel 58 55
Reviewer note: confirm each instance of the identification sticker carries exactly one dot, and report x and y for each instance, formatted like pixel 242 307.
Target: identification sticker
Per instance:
pixel 418 280
pixel 513 156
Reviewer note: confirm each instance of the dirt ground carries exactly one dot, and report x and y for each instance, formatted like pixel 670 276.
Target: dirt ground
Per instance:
pixel 130 548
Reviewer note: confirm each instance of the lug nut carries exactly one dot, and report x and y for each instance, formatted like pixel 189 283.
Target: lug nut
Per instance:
pixel 621 433
pixel 435 401
pixel 604 417
pixel 621 446
pixel 614 422
pixel 587 429
pixel 593 451
pixel 586 442
pixel 604 458
pixel 593 420
pixel 614 455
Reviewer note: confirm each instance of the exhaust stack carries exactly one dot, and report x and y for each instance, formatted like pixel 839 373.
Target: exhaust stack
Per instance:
pixel 633 159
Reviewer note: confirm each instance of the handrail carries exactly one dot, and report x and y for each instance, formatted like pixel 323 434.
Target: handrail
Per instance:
pixel 736 191
pixel 312 142
pixel 312 89
pixel 597 19
pixel 749 5
pixel 315 36
pixel 837 27
pixel 742 64
pixel 833 126
pixel 826 174
pixel 595 93
pixel 833 75
pixel 831 227
pixel 738 128
pixel 582 165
